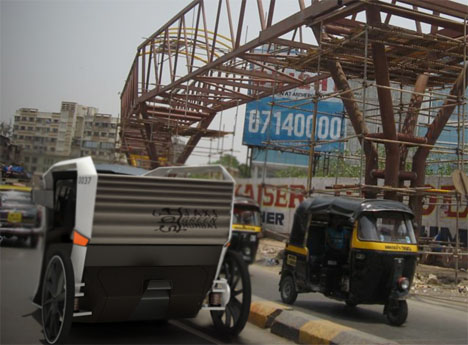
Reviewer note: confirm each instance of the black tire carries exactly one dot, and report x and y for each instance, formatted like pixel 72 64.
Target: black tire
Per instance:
pixel 351 304
pixel 232 320
pixel 397 316
pixel 58 290
pixel 288 290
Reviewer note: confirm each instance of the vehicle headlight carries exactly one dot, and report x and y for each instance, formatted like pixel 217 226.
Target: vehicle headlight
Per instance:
pixel 360 256
pixel 403 283
pixel 247 251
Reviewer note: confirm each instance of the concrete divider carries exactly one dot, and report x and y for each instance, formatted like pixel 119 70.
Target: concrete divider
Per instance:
pixel 306 329
pixel 263 313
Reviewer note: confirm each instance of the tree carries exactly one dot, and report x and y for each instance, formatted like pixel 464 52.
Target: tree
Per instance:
pixel 6 129
pixel 228 161
pixel 291 172
pixel 232 164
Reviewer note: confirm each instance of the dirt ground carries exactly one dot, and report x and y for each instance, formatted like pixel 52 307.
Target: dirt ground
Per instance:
pixel 431 281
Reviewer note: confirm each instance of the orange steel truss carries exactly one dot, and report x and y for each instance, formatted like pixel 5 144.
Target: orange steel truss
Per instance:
pixel 184 74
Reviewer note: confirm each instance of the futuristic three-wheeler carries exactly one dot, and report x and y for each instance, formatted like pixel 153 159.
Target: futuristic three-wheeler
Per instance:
pixel 357 251
pixel 123 248
pixel 246 228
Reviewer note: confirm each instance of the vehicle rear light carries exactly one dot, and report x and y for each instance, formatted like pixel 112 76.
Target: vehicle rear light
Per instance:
pixel 79 239
pixel 403 283
pixel 215 299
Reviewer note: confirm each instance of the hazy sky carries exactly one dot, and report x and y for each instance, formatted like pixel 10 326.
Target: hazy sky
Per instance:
pixel 72 50
pixel 81 51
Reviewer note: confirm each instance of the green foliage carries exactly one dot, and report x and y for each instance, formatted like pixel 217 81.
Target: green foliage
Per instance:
pixel 334 167
pixel 291 172
pixel 440 170
pixel 244 171
pixel 228 161
pixel 232 164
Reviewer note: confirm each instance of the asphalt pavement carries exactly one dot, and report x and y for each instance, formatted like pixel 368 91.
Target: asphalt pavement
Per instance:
pixel 20 319
pixel 430 321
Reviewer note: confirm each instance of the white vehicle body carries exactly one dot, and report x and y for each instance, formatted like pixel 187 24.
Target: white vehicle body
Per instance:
pixel 141 247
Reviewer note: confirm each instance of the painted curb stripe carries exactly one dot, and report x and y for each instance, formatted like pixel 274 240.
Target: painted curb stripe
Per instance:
pixel 262 314
pixel 320 332
pixel 287 325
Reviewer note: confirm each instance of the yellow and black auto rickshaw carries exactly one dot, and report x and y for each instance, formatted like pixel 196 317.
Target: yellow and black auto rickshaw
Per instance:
pixel 246 228
pixel 357 251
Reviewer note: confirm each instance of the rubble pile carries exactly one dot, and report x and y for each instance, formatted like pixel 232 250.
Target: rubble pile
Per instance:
pixel 270 252
pixel 441 283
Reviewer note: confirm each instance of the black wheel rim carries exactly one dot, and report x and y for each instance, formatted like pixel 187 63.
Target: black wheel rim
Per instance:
pixel 231 272
pixel 54 299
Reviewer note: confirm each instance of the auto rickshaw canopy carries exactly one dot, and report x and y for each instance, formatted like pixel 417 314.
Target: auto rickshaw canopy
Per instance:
pixel 246 201
pixel 338 206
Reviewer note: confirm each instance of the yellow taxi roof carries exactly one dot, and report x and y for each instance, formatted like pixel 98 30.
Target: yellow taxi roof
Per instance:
pixel 4 187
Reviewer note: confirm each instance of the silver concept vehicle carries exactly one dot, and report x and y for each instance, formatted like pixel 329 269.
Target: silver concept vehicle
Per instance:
pixel 123 247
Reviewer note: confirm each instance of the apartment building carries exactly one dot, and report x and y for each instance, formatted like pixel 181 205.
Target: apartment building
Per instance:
pixel 75 131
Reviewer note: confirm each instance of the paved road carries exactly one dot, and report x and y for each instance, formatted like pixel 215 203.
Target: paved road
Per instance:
pixel 430 321
pixel 20 320
pixel 433 321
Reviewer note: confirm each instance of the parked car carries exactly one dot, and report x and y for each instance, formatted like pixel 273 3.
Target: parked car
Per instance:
pixel 19 216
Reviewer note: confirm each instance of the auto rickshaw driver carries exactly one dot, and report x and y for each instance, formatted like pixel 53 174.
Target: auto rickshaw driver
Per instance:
pixel 337 240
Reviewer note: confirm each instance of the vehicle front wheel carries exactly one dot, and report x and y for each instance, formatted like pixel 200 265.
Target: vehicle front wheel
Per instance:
pixel 397 315
pixel 288 290
pixel 232 320
pixel 57 297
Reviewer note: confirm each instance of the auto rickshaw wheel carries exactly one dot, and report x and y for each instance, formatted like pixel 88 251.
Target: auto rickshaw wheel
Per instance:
pixel 351 304
pixel 397 315
pixel 288 290
pixel 232 320
pixel 57 297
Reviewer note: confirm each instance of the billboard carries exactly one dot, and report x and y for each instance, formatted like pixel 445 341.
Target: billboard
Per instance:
pixel 290 120
pixel 279 198
pixel 280 157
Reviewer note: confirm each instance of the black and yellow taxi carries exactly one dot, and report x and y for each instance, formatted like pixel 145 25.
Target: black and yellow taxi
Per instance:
pixel 246 228
pixel 19 216
pixel 354 250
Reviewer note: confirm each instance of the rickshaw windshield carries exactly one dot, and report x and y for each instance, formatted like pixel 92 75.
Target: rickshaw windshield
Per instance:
pixel 247 216
pixel 393 227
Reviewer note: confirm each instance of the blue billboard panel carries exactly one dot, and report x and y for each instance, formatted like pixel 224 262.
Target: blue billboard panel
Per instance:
pixel 280 158
pixel 284 123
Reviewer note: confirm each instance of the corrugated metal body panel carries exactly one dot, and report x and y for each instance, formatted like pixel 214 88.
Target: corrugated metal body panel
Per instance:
pixel 154 210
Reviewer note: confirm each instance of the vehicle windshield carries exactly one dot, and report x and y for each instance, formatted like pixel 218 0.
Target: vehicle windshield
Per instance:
pixel 247 216
pixel 389 227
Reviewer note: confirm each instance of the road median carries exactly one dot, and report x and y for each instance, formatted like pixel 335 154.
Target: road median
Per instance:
pixel 302 328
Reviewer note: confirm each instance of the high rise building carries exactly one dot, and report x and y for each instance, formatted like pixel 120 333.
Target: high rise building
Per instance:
pixel 75 131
